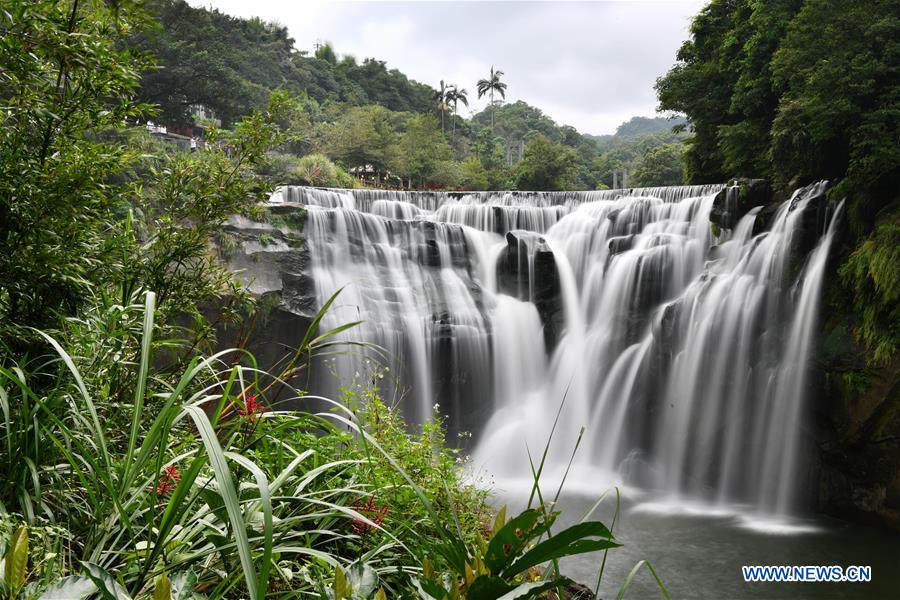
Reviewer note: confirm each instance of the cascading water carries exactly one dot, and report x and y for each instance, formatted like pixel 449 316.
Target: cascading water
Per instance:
pixel 680 347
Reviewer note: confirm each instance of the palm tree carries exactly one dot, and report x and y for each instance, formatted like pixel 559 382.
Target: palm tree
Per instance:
pixel 489 86
pixel 443 100
pixel 456 95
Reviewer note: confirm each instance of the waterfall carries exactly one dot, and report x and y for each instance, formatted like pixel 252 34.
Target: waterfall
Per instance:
pixel 680 347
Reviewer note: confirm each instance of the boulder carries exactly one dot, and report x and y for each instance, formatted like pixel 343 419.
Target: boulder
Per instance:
pixel 548 294
pixel 514 278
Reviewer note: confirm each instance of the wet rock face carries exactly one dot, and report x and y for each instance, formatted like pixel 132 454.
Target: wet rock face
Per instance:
pixel 735 201
pixel 548 295
pixel 618 245
pixel 527 270
pixel 858 432
pixel 271 257
pixel 272 260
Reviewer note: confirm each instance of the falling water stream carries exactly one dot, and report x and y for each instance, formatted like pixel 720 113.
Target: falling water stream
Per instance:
pixel 680 348
pixel 675 351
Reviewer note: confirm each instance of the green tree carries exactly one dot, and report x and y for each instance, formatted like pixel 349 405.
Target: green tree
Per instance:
pixel 326 53
pixel 489 86
pixel 442 97
pixel 839 115
pixel 209 59
pixel 799 91
pixel 363 136
pixel 64 75
pixel 421 151
pixel 473 175
pixel 488 150
pixel 231 66
pixel 545 166
pixel 659 166
pixel 456 95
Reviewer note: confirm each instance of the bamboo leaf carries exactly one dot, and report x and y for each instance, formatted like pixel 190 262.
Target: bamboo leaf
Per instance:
pixel 16 567
pixel 85 396
pixel 107 585
pixel 428 590
pixel 533 590
pixel 229 496
pixel 262 484
pixel 141 388
pixel 73 587
pixel 568 542
pixel 163 590
pixel 340 584
pixel 183 584
pixel 509 540
pixel 362 579
pixel 488 587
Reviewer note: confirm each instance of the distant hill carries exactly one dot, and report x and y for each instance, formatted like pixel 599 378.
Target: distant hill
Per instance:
pixel 636 126
pixel 231 65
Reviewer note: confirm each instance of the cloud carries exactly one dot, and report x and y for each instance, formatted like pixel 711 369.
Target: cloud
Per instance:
pixel 587 64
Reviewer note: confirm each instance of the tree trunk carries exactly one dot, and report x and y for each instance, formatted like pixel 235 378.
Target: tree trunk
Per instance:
pixel 493 110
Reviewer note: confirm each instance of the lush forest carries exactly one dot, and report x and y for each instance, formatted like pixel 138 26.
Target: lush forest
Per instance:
pixel 231 66
pixel 363 115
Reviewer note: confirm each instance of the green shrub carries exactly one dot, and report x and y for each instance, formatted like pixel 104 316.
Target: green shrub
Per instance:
pixel 473 175
pixel 199 479
pixel 318 170
pixel 872 272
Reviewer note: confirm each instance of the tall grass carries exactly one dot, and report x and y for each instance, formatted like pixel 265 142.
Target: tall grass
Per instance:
pixel 167 486
pixel 184 489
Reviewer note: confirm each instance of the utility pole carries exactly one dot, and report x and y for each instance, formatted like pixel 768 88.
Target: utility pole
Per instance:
pixel 515 151
pixel 616 179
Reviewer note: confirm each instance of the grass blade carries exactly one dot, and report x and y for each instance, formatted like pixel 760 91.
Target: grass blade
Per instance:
pixel 265 499
pixel 141 387
pixel 634 571
pixel 229 496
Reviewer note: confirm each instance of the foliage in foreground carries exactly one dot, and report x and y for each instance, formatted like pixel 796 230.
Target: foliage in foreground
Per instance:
pixel 199 488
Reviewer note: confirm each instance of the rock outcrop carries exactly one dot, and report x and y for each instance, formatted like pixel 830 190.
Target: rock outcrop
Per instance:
pixel 858 418
pixel 527 270
pixel 272 260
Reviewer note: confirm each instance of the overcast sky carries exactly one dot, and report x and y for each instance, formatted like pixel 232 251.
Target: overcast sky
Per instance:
pixel 587 64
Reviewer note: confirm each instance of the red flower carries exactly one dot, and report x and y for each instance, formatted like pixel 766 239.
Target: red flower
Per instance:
pixel 252 407
pixel 168 480
pixel 374 513
pixel 164 487
pixel 171 473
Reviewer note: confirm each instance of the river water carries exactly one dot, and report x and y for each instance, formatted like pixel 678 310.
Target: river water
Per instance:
pixel 698 549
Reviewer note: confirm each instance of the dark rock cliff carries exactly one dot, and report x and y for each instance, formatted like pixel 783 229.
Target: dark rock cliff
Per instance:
pixel 272 260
